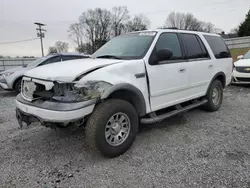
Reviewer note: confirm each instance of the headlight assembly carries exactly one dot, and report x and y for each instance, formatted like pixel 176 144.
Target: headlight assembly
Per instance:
pixel 70 92
pixel 7 74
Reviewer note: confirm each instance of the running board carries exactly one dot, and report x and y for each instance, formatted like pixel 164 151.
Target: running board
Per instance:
pixel 169 114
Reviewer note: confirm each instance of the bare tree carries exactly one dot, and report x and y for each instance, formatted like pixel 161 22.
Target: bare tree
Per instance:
pixel 138 23
pixel 61 46
pixel 183 21
pixel 52 50
pixel 96 24
pixel 76 33
pixel 119 16
pixel 207 27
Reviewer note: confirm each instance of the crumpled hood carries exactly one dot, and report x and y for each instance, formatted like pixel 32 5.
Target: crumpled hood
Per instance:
pixel 242 63
pixel 67 71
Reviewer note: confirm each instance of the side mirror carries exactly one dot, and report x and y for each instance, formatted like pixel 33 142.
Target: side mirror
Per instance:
pixel 240 57
pixel 164 54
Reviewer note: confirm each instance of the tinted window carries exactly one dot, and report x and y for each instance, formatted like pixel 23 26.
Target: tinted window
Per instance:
pixel 170 41
pixel 203 48
pixel 51 60
pixel 71 57
pixel 192 46
pixel 218 46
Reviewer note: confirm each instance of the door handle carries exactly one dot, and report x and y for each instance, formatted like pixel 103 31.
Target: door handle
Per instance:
pixel 210 66
pixel 182 70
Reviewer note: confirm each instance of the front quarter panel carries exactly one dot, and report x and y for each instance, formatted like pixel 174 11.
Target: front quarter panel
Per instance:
pixel 16 75
pixel 122 73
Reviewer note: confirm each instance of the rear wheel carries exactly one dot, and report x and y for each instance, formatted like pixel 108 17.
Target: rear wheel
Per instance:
pixel 17 86
pixel 112 127
pixel 214 96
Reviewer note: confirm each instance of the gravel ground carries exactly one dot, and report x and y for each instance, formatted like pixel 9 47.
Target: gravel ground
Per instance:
pixel 196 149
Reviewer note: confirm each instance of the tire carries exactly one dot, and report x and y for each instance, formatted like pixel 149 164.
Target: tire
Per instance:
pixel 96 127
pixel 17 86
pixel 214 105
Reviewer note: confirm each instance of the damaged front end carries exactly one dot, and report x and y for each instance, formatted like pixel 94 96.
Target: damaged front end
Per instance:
pixel 58 103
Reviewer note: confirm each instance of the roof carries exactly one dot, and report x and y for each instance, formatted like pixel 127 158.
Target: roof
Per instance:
pixel 70 53
pixel 177 31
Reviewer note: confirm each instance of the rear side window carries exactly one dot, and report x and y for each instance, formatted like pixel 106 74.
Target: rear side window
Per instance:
pixel 71 57
pixel 51 60
pixel 192 46
pixel 218 46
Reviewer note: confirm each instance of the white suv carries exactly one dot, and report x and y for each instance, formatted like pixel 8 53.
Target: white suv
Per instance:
pixel 137 77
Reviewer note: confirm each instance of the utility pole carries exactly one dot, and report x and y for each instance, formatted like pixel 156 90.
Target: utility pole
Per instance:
pixel 40 34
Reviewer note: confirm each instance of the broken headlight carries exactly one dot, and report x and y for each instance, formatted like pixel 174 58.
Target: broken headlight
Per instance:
pixel 75 92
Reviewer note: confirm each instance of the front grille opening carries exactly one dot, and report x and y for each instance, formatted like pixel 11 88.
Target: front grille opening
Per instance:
pixel 243 79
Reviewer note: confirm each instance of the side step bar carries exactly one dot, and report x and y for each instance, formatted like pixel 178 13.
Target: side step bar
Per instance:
pixel 175 112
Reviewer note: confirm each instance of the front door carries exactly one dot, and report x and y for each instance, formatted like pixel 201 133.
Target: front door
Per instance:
pixel 168 80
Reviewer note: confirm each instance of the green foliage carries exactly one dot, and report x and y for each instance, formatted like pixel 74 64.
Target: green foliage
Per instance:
pixel 244 29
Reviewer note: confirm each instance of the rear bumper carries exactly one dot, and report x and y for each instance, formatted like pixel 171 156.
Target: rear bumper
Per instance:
pixel 54 112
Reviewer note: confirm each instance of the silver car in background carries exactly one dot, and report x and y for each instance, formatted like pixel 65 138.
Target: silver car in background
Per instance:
pixel 11 79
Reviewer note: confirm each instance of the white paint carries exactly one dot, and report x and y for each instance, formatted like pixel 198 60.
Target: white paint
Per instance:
pixel 55 116
pixel 67 71
pixel 168 86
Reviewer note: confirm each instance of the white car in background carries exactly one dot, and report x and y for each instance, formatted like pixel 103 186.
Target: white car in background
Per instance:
pixel 11 79
pixel 241 72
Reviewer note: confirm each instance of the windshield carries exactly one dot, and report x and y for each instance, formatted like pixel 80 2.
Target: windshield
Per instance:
pixel 37 61
pixel 128 46
pixel 247 55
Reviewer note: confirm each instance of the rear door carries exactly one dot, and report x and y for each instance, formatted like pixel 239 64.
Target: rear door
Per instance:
pixel 221 56
pixel 168 79
pixel 200 64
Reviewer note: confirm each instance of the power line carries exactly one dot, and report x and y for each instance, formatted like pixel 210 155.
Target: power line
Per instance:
pixel 18 41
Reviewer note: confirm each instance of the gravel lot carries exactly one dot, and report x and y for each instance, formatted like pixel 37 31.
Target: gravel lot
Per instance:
pixel 197 149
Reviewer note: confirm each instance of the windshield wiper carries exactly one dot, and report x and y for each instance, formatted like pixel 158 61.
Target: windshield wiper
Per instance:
pixel 108 56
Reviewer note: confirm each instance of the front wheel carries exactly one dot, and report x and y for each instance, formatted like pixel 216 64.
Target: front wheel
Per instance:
pixel 214 96
pixel 112 127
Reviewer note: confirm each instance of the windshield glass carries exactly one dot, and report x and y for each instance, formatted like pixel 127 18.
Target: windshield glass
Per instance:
pixel 247 55
pixel 37 61
pixel 128 46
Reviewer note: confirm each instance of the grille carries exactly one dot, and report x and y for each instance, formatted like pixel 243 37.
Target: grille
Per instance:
pixel 28 89
pixel 243 69
pixel 243 79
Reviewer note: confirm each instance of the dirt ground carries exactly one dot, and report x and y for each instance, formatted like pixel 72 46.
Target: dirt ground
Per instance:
pixel 196 149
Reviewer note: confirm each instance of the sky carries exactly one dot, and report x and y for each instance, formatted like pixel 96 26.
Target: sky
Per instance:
pixel 17 18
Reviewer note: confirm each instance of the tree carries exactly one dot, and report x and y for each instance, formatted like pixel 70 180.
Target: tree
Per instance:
pixel 61 46
pixel 76 33
pixel 96 25
pixel 244 28
pixel 52 50
pixel 119 16
pixel 138 23
pixel 183 21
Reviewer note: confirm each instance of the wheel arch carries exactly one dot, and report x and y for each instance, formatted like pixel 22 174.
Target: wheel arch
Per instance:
pixel 129 93
pixel 16 80
pixel 219 76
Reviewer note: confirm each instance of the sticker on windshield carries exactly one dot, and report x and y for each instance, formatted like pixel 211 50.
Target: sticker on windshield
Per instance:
pixel 147 34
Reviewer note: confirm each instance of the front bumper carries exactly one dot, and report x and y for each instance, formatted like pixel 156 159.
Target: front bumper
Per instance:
pixel 54 112
pixel 240 78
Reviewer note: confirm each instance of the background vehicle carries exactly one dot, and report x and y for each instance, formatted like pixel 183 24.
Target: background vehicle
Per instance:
pixel 11 78
pixel 143 76
pixel 241 72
